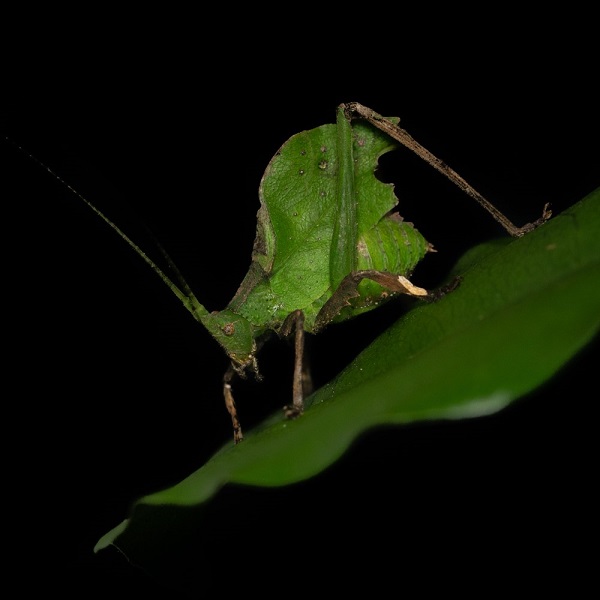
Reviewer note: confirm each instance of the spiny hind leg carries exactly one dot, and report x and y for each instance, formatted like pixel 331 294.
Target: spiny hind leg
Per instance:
pixel 400 135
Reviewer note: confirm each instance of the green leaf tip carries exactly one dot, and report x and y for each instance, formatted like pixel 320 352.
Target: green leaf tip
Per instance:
pixel 108 538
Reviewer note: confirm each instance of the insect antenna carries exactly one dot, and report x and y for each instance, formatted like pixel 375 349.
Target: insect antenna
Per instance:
pixel 184 288
pixel 182 291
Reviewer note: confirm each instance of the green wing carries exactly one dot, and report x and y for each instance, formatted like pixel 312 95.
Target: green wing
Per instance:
pixel 300 224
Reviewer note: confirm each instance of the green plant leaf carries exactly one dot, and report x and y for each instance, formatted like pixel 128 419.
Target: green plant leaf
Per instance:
pixel 523 308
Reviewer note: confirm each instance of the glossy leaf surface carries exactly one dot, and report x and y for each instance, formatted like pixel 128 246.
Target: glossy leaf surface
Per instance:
pixel 523 309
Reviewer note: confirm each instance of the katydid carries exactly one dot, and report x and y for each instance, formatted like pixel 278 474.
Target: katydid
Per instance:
pixel 329 245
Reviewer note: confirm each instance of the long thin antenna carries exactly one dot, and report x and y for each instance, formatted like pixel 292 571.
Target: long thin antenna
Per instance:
pixel 184 293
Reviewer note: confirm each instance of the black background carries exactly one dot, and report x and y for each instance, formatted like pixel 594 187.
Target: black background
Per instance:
pixel 114 392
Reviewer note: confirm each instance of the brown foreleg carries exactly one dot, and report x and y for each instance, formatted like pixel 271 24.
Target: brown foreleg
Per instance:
pixel 238 436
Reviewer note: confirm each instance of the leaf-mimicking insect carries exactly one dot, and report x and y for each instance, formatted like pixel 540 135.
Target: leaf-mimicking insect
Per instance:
pixel 329 245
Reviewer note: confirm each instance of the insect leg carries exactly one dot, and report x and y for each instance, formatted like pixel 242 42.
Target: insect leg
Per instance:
pixel 348 289
pixel 302 381
pixel 230 404
pixel 402 136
